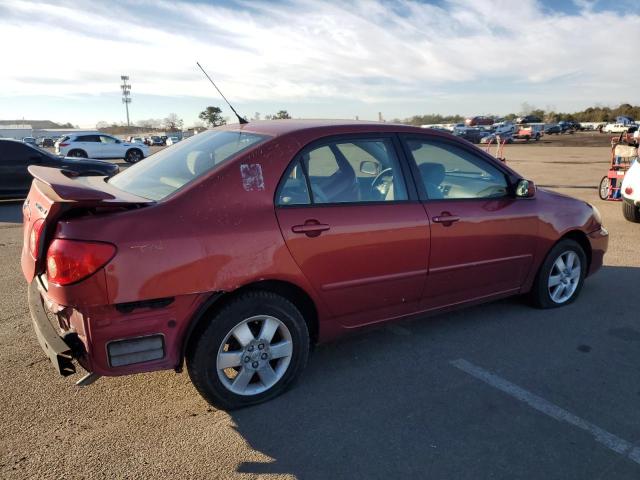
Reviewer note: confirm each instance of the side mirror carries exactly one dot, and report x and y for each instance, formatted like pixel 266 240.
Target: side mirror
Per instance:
pixel 118 141
pixel 525 189
pixel 369 167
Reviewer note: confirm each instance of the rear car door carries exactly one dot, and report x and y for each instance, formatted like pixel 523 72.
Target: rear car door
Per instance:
pixel 483 238
pixel 355 227
pixel 90 144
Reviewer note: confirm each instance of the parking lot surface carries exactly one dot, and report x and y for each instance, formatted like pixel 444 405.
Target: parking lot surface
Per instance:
pixel 494 391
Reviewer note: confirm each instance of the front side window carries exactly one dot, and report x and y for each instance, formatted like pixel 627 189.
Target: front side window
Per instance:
pixel 158 176
pixel 450 172
pixel 107 139
pixel 350 171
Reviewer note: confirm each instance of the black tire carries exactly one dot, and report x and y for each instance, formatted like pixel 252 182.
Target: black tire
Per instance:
pixel 540 296
pixel 603 188
pixel 133 155
pixel 630 212
pixel 77 153
pixel 202 351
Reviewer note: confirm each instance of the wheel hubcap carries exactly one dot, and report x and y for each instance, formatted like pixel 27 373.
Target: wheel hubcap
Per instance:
pixel 254 355
pixel 564 277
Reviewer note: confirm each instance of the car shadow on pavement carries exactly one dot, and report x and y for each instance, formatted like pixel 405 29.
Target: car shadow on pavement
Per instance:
pixel 388 403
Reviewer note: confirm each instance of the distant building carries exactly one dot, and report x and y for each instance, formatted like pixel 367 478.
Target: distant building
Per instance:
pixel 16 131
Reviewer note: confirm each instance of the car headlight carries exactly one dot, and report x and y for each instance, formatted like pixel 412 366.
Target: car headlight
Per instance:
pixel 596 213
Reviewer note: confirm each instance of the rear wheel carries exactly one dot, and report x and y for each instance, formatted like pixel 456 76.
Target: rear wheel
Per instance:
pixel 78 153
pixel 133 156
pixel 603 189
pixel 561 275
pixel 630 212
pixel 249 352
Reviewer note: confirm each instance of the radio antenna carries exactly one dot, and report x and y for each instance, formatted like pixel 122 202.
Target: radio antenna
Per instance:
pixel 240 119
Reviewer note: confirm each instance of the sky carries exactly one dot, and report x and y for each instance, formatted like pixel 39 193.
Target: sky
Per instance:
pixel 62 60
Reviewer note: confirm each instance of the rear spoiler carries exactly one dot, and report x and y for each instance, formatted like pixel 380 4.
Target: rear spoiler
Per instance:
pixel 64 186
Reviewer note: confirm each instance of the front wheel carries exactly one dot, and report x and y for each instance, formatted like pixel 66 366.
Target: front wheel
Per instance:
pixel 133 156
pixel 630 212
pixel 603 189
pixel 249 352
pixel 561 275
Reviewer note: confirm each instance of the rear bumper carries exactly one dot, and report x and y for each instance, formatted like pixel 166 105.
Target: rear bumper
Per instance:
pixel 599 241
pixel 56 348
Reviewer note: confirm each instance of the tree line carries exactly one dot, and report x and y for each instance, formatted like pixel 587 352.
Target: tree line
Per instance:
pixel 591 114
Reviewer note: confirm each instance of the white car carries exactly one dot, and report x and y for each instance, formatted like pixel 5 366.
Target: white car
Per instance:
pixel 172 141
pixel 100 145
pixel 615 128
pixel 630 192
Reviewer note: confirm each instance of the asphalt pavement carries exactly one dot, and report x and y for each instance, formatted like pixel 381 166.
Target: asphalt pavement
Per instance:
pixel 495 391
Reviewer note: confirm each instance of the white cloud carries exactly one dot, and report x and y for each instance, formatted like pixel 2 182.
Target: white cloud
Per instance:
pixel 369 50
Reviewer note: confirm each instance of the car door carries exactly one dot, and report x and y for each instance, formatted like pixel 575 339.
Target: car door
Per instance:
pixel 15 158
pixel 483 238
pixel 110 147
pixel 355 227
pixel 90 144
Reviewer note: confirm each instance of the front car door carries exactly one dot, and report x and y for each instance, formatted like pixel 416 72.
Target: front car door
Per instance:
pixel 483 238
pixel 110 147
pixel 15 158
pixel 355 227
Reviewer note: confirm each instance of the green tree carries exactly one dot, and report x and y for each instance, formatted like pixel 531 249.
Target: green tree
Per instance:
pixel 173 123
pixel 212 116
pixel 281 115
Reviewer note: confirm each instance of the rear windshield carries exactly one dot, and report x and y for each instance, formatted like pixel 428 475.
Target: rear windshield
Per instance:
pixel 161 174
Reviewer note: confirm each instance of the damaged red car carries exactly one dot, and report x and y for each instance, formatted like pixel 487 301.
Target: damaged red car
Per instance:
pixel 235 251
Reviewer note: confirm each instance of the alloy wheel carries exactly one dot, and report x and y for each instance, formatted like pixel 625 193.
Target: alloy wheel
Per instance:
pixel 564 277
pixel 254 355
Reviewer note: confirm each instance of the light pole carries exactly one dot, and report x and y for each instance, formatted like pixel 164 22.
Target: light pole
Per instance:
pixel 126 95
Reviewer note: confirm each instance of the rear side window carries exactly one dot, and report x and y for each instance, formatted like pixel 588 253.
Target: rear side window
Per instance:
pixel 350 171
pixel 161 174
pixel 88 138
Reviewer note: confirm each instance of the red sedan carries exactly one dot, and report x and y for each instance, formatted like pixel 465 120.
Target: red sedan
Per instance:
pixel 239 248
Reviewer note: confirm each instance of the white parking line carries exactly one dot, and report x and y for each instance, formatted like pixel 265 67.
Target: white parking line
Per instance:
pixel 609 440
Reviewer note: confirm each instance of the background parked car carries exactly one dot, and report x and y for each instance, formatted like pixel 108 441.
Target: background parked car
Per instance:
pixel 172 140
pixel 100 145
pixel 478 120
pixel 16 156
pixel 29 140
pixel 45 142
pixel 615 128
pixel 156 141
pixel 471 134
pixel 553 129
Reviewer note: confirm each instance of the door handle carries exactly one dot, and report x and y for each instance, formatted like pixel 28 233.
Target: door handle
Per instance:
pixel 311 228
pixel 446 219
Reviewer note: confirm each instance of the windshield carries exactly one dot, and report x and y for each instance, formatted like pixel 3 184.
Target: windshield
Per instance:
pixel 163 173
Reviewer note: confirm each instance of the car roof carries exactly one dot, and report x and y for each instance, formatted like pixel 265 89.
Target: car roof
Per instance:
pixel 282 127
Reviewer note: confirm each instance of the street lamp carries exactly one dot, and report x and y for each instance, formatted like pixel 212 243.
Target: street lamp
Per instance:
pixel 126 94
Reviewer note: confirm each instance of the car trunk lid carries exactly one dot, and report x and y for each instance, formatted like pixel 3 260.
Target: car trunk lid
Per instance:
pixel 55 194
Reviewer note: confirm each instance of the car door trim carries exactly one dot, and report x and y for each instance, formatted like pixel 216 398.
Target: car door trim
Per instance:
pixel 371 280
pixel 460 266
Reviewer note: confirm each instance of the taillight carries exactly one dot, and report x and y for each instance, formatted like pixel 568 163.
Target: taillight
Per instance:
pixel 34 237
pixel 628 190
pixel 69 261
pixel 63 145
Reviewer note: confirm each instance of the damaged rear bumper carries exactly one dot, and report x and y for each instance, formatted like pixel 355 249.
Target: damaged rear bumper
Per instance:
pixel 56 347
